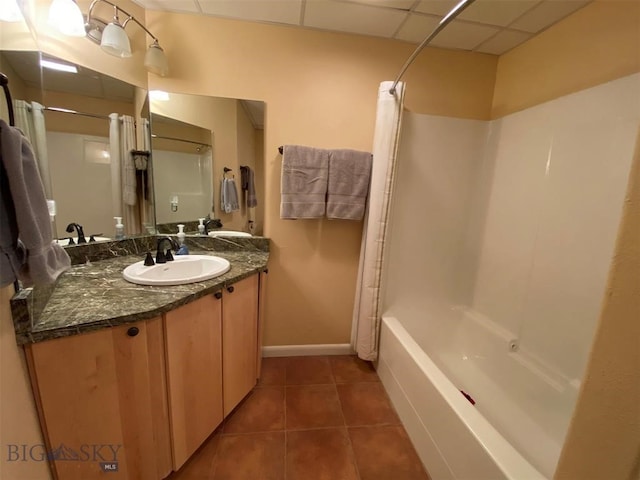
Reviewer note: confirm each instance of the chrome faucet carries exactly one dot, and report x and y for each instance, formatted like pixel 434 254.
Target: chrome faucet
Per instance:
pixel 164 256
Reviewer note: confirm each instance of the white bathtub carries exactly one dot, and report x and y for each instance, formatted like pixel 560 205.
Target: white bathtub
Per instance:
pixel 502 436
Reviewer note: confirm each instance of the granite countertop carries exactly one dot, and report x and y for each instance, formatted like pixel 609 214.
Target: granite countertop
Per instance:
pixel 94 295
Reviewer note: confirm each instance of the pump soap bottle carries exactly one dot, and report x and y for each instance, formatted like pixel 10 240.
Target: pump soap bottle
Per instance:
pixel 119 228
pixel 182 250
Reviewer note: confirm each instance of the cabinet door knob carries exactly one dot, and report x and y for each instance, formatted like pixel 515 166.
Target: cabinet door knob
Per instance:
pixel 133 331
pixel 218 295
pixel 266 270
pixel 230 289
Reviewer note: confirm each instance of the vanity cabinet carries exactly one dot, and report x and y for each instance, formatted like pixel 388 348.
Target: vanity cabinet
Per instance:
pixel 97 397
pixel 136 401
pixel 194 373
pixel 239 340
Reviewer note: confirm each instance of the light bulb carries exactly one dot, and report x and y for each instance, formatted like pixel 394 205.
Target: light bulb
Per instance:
pixel 65 15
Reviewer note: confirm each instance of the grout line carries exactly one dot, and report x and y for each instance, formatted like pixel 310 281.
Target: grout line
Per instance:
pixel 346 432
pixel 285 424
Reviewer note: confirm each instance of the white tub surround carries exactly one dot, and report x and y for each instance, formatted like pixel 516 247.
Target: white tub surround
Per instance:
pixel 496 287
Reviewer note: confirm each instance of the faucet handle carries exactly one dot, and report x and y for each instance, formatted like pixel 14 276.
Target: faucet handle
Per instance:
pixel 148 260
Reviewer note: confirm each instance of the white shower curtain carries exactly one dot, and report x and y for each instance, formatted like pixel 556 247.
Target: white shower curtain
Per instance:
pixel 366 313
pixel 122 139
pixel 30 119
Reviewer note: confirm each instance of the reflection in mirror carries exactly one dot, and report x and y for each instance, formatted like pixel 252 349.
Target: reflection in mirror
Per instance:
pixel 83 126
pixel 235 129
pixel 182 160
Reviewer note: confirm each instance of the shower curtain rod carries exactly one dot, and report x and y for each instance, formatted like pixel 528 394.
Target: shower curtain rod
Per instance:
pixel 448 18
pixel 181 140
pixel 74 112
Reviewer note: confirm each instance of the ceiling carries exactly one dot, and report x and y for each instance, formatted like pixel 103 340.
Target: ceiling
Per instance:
pixel 487 26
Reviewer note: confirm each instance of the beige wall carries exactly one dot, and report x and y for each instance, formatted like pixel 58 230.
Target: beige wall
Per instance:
pixel 18 418
pixel 247 145
pixel 259 182
pixel 599 43
pixel 320 89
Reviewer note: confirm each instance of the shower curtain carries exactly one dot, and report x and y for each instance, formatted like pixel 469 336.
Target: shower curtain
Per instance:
pixel 30 119
pixel 366 321
pixel 122 139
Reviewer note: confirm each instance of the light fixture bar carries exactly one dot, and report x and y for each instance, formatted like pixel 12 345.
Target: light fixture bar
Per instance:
pixel 114 40
pixel 124 24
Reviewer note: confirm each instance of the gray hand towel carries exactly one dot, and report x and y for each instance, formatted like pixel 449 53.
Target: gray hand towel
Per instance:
pixel 349 177
pixel 247 183
pixel 305 172
pixel 229 196
pixel 33 258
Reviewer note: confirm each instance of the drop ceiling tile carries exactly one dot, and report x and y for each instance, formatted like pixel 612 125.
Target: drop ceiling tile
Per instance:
pixel 503 42
pixel 397 4
pixel 465 36
pixel 436 7
pixel 277 11
pixel 352 17
pixel 497 12
pixel 547 13
pixel 417 27
pixel 187 6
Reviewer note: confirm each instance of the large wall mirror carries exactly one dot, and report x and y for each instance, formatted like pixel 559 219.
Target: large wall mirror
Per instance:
pixel 197 137
pixel 82 125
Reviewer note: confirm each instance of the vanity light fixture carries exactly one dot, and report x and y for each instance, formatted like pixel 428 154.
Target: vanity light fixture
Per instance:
pixel 66 16
pixel 113 38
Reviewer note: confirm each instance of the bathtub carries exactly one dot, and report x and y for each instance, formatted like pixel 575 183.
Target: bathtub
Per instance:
pixel 501 436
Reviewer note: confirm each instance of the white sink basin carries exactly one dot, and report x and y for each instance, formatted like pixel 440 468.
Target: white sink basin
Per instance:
pixel 183 269
pixel 228 233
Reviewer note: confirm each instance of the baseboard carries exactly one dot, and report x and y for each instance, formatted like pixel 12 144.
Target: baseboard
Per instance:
pixel 307 350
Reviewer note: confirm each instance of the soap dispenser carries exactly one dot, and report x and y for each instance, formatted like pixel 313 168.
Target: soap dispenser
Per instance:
pixel 119 228
pixel 182 250
pixel 201 226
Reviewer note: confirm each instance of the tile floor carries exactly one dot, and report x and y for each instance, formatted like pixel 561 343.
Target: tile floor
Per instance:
pixel 310 418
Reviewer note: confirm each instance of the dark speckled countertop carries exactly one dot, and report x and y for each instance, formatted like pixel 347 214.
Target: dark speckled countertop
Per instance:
pixel 93 295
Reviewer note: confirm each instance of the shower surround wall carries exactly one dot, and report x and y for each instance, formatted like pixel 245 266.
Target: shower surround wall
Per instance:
pixel 500 278
pixel 187 176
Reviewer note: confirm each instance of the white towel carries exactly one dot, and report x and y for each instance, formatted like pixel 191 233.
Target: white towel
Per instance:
pixel 305 172
pixel 349 177
pixel 229 196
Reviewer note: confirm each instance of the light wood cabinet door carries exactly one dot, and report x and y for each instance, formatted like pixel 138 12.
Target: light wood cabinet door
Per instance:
pixel 194 374
pixel 96 405
pixel 239 340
